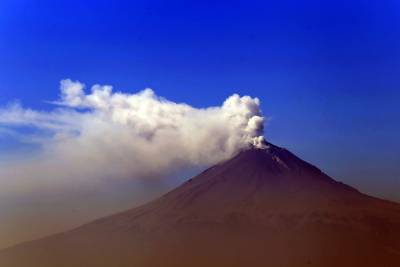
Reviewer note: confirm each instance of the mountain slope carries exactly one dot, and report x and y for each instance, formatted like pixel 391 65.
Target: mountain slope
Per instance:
pixel 264 207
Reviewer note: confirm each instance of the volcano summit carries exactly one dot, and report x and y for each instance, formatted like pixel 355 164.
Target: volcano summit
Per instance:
pixel 263 207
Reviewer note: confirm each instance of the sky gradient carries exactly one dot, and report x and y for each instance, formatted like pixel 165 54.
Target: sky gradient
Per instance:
pixel 327 74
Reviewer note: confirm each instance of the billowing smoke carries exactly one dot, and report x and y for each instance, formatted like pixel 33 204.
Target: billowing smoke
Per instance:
pixel 104 135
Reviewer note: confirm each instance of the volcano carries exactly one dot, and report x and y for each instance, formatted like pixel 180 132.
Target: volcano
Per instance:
pixel 263 207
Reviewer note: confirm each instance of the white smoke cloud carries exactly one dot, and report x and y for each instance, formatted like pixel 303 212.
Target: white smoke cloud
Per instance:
pixel 108 135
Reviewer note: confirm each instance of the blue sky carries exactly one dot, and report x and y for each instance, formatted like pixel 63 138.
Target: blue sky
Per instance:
pixel 327 73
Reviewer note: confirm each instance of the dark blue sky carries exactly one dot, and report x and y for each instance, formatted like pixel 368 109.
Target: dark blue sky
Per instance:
pixel 327 72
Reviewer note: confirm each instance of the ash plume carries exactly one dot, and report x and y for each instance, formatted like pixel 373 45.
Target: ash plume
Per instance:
pixel 101 135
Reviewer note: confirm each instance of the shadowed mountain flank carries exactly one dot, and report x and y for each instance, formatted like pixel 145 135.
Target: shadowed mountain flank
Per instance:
pixel 263 207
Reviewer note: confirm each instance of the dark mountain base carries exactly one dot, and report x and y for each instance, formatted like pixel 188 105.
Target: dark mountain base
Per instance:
pixel 210 245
